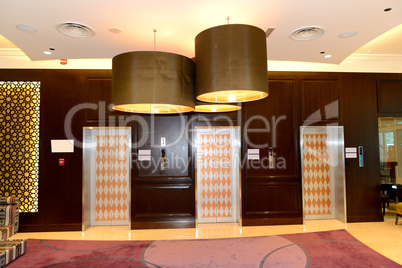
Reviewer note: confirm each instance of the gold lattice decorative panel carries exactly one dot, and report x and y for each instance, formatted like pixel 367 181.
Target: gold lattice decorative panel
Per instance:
pixel 19 142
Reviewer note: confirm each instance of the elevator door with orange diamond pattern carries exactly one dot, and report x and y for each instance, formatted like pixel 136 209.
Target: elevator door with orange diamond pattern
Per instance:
pixel 110 178
pixel 318 174
pixel 217 175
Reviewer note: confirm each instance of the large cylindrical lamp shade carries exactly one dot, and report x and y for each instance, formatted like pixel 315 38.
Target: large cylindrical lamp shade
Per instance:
pixel 206 107
pixel 153 82
pixel 231 64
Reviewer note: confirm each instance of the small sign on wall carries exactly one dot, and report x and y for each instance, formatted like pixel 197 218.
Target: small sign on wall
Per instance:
pixel 62 146
pixel 144 155
pixel 144 158
pixel 253 154
pixel 350 152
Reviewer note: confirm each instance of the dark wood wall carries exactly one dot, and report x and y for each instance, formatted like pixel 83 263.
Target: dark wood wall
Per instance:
pixel 163 198
pixel 272 195
pixel 360 120
pixel 167 199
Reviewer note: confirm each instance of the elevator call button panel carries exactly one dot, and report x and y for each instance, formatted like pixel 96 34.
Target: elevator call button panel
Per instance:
pixel 361 162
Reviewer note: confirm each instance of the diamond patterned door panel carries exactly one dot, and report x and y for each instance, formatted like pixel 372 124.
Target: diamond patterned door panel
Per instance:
pixel 318 175
pixel 217 176
pixel 110 179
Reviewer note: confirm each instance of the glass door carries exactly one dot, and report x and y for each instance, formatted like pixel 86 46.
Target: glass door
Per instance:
pixel 390 141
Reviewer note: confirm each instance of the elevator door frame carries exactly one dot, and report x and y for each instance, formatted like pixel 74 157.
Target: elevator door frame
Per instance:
pixel 236 163
pixel 87 187
pixel 339 188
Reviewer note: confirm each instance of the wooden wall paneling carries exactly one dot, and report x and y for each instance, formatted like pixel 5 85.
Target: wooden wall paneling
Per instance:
pixel 173 129
pixel 60 187
pixel 99 93
pixel 360 121
pixel 273 198
pixel 270 123
pixel 263 188
pixel 163 198
pixel 21 75
pixel 317 95
pixel 170 199
pixel 389 95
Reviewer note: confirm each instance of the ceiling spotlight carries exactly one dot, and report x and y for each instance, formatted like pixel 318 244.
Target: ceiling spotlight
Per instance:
pixel 327 56
pixel 114 30
pixel 47 52
pixel 387 9
pixel 347 34
pixel 26 28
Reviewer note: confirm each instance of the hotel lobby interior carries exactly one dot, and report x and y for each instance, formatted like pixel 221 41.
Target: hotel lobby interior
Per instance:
pixel 153 121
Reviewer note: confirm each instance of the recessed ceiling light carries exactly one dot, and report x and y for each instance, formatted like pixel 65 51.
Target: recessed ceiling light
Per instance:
pixel 114 30
pixel 388 9
pixel 26 28
pixel 75 29
pixel 306 33
pixel 327 56
pixel 347 34
pixel 47 52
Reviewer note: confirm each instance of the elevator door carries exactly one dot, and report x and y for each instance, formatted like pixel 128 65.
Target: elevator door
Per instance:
pixel 108 161
pixel 323 173
pixel 217 168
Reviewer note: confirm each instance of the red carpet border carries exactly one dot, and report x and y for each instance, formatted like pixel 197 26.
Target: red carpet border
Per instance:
pixel 320 249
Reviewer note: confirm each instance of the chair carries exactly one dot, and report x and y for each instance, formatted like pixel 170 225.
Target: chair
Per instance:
pixel 9 216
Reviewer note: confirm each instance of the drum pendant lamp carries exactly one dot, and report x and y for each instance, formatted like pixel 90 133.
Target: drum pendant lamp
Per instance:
pixel 153 82
pixel 205 107
pixel 231 64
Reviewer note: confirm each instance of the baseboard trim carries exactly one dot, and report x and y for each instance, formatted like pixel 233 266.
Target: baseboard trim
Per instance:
pixel 272 221
pixel 25 228
pixel 162 225
pixel 365 218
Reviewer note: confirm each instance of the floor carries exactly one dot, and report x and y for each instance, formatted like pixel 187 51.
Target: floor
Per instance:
pixel 384 237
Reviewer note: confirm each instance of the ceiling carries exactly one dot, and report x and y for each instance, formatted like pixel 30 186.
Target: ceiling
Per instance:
pixel 376 46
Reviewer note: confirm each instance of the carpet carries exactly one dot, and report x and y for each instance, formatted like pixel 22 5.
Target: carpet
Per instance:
pixel 320 249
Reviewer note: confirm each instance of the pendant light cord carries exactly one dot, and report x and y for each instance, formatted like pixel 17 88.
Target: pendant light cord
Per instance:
pixel 154 39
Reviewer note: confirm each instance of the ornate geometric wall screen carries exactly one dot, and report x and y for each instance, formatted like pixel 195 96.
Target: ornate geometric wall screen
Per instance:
pixel 19 142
